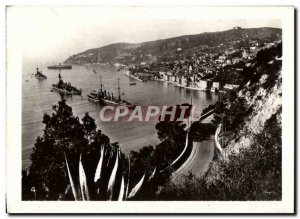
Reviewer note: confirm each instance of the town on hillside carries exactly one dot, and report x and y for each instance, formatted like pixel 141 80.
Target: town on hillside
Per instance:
pixel 189 62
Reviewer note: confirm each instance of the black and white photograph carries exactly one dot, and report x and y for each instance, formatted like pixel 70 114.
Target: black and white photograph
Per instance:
pixel 150 109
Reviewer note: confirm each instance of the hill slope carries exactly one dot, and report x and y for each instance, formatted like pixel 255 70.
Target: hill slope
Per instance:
pixel 126 53
pixel 248 165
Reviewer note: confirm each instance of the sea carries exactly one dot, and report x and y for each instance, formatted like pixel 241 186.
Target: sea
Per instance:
pixel 38 99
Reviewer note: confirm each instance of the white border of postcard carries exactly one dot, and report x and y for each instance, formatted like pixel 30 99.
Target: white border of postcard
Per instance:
pixel 13 125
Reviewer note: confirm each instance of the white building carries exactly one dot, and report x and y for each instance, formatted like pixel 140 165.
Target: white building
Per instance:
pixel 162 73
pixel 202 85
pixel 183 81
pixel 221 59
pixel 230 86
pixel 216 85
pixel 165 77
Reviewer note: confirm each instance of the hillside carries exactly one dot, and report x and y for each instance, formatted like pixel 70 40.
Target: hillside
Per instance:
pixel 251 138
pixel 172 48
pixel 248 165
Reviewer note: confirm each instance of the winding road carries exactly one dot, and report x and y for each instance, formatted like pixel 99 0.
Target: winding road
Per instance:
pixel 201 155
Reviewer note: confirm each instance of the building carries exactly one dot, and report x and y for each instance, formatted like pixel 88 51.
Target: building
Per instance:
pixel 165 77
pixel 221 59
pixel 216 85
pixel 202 85
pixel 162 73
pixel 230 86
pixel 183 81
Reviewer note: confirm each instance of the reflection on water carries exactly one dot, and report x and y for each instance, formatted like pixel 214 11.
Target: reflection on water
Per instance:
pixel 38 99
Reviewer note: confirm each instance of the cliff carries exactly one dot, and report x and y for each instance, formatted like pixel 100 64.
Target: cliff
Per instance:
pixel 250 162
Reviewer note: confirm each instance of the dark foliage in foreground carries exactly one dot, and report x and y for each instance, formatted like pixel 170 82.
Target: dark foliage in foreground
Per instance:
pixel 63 134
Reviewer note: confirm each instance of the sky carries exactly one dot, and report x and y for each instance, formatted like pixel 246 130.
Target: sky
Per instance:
pixel 55 33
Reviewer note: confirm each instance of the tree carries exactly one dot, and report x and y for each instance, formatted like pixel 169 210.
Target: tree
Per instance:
pixel 63 135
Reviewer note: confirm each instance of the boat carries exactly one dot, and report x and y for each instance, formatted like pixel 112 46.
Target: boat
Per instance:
pixel 39 75
pixel 105 97
pixel 97 96
pixel 132 84
pixel 60 66
pixel 94 71
pixel 65 87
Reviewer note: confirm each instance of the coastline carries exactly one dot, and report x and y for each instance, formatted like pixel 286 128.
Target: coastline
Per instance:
pixel 181 86
pixel 131 76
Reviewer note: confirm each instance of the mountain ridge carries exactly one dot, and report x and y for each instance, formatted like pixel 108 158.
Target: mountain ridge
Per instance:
pixel 149 51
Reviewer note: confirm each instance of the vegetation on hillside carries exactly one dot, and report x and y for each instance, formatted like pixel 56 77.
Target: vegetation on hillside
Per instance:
pixel 253 172
pixel 64 135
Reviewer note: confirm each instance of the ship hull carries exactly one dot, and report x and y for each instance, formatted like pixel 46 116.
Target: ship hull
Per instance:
pixel 108 102
pixel 113 103
pixel 41 77
pixel 95 100
pixel 60 67
pixel 66 92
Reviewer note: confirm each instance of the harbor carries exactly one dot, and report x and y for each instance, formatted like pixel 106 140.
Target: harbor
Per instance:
pixel 39 100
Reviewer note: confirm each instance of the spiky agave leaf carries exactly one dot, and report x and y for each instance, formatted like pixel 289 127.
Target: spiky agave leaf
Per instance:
pixel 137 188
pixel 83 182
pixel 122 190
pixel 110 157
pixel 75 191
pixel 127 187
pixel 152 175
pixel 99 166
pixel 112 179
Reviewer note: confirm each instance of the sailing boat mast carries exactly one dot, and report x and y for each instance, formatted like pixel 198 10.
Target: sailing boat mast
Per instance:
pixel 101 84
pixel 119 91
pixel 190 116
pixel 191 113
pixel 59 75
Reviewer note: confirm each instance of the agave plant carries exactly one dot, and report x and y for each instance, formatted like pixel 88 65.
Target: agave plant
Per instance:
pixel 109 180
